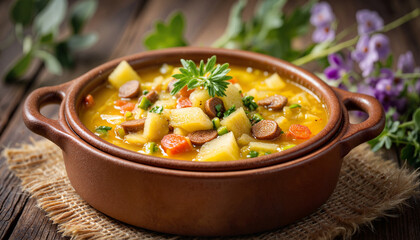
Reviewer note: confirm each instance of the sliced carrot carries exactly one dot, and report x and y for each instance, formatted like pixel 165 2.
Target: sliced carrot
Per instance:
pixel 89 101
pixel 175 144
pixel 128 107
pixel 120 103
pixel 233 80
pixel 183 102
pixel 185 92
pixel 299 131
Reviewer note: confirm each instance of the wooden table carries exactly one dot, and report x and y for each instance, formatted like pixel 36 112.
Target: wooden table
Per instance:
pixel 121 27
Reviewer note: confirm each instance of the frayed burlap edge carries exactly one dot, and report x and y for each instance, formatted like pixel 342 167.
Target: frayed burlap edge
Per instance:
pixel 368 188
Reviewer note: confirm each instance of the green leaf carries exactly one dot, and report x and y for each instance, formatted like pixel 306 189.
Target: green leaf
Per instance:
pixel 80 42
pixel 235 24
pixel 22 12
pixel 416 118
pixel 379 144
pixel 407 152
pixel 81 12
pixel 294 106
pixel 50 18
pixel 63 54
pixel 52 64
pixel 165 36
pixel 19 68
pixel 269 17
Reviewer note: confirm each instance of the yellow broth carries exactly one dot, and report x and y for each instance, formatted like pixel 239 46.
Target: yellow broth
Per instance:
pixel 311 114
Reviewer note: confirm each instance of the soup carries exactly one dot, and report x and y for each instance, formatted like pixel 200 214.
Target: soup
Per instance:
pixel 192 113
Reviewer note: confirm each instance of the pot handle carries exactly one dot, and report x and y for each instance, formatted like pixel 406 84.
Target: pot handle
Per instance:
pixel 38 123
pixel 366 130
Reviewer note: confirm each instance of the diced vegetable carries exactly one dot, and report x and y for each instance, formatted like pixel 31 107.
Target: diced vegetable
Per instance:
pixel 180 131
pixel 136 138
pixel 263 147
pixel 122 74
pixel 120 103
pixel 245 139
pixel 223 148
pixel 155 127
pixel 144 103
pixel 183 102
pixel 216 123
pixel 222 130
pixel 145 92
pixel 128 107
pixel 175 144
pixel 238 123
pixel 157 109
pixel 252 154
pixel 166 104
pixel 274 82
pixel 249 102
pixel 233 97
pixel 119 131
pixel 299 131
pixel 128 115
pixel 151 147
pixel 89 101
pixel 229 111
pixel 256 117
pixel 199 97
pixel 288 146
pixel 295 106
pixel 190 119
pixel 283 122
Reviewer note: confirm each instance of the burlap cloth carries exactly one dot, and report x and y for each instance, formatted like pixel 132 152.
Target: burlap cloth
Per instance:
pixel 367 189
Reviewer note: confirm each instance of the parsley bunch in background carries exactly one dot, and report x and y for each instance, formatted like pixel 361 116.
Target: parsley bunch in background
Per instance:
pixel 37 24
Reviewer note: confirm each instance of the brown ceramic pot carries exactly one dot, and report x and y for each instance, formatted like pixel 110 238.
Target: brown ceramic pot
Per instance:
pixel 203 199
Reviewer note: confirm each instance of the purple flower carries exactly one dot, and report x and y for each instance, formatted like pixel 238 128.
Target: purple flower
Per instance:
pixel 406 62
pixel 322 34
pixel 417 86
pixel 368 51
pixel 321 15
pixel 368 21
pixel 338 67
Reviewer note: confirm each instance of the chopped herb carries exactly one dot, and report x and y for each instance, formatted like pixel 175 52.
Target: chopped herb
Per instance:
pixel 218 109
pixel 249 103
pixel 144 103
pixel 222 130
pixel 256 118
pixel 230 111
pixel 145 92
pixel 266 153
pixel 216 123
pixel 252 154
pixel 102 130
pixel 157 109
pixel 295 106
pixel 151 147
pixel 209 76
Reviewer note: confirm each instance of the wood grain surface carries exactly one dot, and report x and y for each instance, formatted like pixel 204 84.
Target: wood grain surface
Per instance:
pixel 121 26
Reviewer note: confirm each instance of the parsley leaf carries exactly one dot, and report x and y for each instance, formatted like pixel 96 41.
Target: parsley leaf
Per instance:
pixel 157 109
pixel 295 106
pixel 102 131
pixel 249 103
pixel 169 35
pixel 210 76
pixel 230 111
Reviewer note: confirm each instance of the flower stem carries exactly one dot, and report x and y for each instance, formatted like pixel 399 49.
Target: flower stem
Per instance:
pixel 312 56
pixel 408 75
pixel 406 124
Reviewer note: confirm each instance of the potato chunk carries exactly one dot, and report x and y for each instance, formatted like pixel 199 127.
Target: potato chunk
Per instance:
pixel 245 139
pixel 122 74
pixel 223 148
pixel 233 97
pixel 199 97
pixel 274 82
pixel 136 138
pixel 155 127
pixel 238 123
pixel 263 147
pixel 190 119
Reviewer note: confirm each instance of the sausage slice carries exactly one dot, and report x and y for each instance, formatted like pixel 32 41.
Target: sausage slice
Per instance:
pixel 129 89
pixel 133 125
pixel 171 85
pixel 211 107
pixel 153 96
pixel 276 102
pixel 266 130
pixel 202 136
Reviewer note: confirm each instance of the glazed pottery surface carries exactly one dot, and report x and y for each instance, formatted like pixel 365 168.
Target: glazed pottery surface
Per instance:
pixel 203 199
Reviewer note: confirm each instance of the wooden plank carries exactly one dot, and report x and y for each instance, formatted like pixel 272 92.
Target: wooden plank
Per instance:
pixel 12 201
pixel 109 15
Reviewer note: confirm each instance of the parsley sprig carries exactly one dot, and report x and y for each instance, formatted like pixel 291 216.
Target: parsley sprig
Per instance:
pixel 209 76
